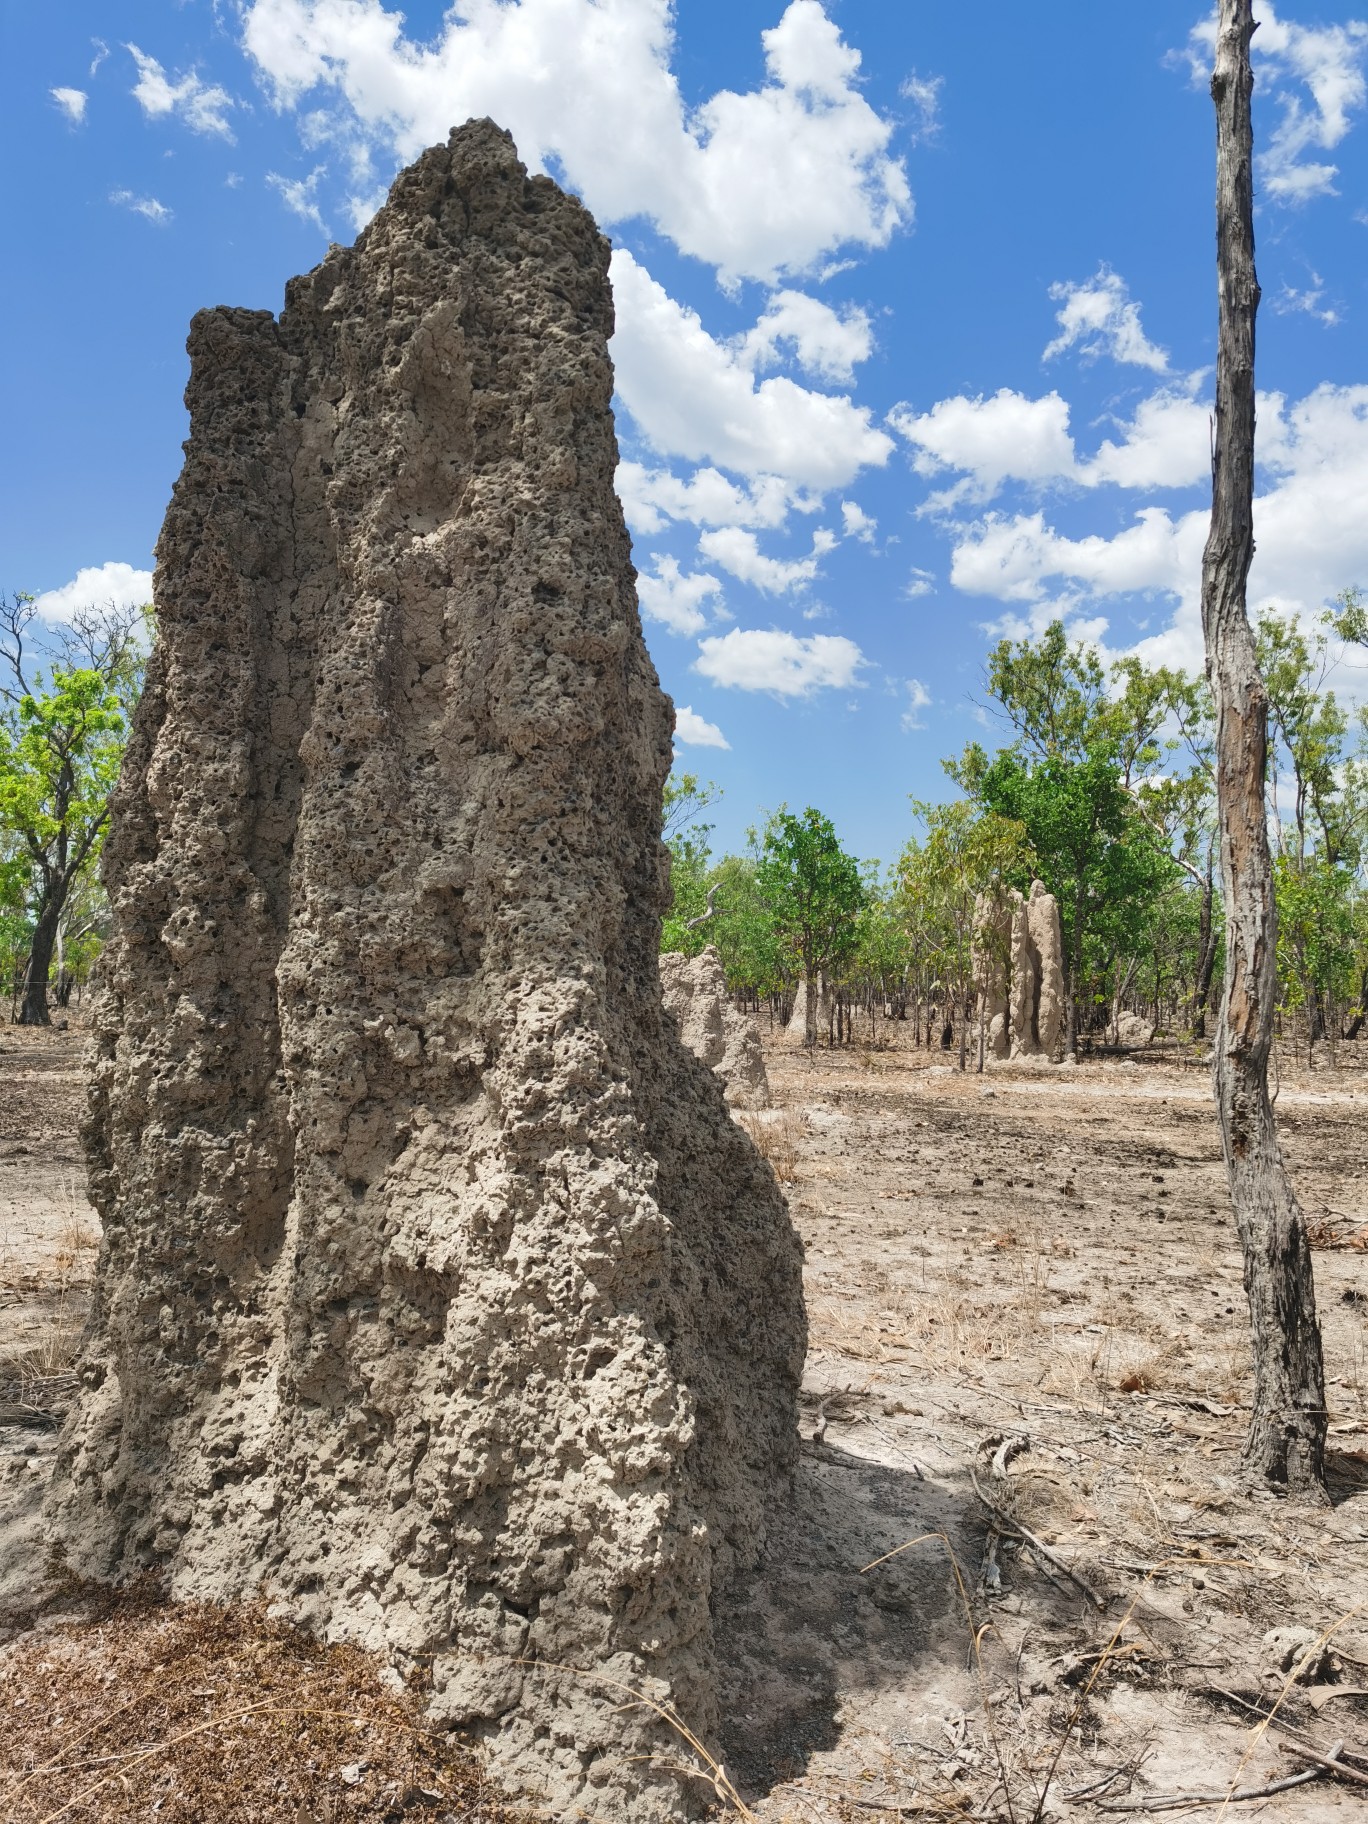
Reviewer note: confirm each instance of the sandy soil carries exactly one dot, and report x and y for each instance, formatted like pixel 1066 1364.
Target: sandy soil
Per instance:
pixel 1024 1290
pixel 1040 1267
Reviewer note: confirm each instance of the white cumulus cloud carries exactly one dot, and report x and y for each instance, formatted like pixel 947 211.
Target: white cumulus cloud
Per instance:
pixel 72 102
pixel 147 206
pixel 97 586
pixel 674 599
pixel 739 552
pixel 1004 437
pixel 823 341
pixel 757 184
pixel 651 497
pixel 692 731
pixel 924 92
pixel 692 396
pixel 1100 317
pixel 781 663
pixel 1166 444
pixel 300 196
pixel 203 107
pixel 1307 300
pixel 1309 523
pixel 1010 437
pixel 918 699
pixel 1014 558
pixel 858 524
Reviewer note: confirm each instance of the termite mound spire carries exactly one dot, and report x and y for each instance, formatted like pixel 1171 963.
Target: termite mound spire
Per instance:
pixel 440 1298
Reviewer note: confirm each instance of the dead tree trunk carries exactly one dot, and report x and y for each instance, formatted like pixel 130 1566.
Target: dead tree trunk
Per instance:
pixel 1286 1442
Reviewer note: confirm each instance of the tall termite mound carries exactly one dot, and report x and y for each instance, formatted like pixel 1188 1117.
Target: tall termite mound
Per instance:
pixel 1018 953
pixel 440 1299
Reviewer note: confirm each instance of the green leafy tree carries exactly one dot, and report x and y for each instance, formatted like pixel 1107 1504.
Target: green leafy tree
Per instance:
pixel 883 952
pixel 62 731
pixel 744 929
pixel 814 894
pixel 686 838
pixel 1318 816
pixel 1081 779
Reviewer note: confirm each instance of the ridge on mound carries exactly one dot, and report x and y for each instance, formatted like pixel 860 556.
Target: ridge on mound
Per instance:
pixel 441 1300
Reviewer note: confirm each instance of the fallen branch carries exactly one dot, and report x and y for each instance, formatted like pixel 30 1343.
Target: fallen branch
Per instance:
pixel 1347 1756
pixel 1331 1763
pixel 1013 1526
pixel 1009 1447
pixel 1176 1801
pixel 1078 1793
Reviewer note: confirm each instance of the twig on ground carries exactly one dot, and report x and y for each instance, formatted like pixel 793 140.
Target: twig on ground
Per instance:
pixel 1011 1525
pixel 1176 1801
pixel 1100 1786
pixel 1331 1762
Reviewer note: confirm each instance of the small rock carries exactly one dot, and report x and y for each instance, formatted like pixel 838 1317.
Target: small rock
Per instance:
pixel 350 1775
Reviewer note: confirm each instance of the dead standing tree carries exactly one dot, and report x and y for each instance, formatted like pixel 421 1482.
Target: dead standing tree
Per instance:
pixel 1286 1441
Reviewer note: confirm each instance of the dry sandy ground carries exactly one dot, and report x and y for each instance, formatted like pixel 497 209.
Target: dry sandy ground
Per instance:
pixel 1028 1281
pixel 1044 1261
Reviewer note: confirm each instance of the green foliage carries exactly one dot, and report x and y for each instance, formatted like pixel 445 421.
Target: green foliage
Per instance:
pixel 813 893
pixel 686 838
pixel 60 748
pixel 744 930
pixel 883 953
pixel 1321 938
pixel 1083 780
pixel 63 721
pixel 1105 791
pixel 1318 789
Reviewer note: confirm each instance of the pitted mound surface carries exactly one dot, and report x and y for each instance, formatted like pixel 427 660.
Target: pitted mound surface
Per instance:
pixel 441 1299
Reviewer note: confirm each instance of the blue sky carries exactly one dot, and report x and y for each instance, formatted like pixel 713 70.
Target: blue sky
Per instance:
pixel 916 315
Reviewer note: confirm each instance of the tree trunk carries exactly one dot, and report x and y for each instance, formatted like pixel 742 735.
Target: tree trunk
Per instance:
pixel 1206 960
pixel 1355 1025
pixel 33 1006
pixel 1071 975
pixel 809 1005
pixel 1286 1441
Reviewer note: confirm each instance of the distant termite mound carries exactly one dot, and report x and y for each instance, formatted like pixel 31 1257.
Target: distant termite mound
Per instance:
pixel 728 1042
pixel 1019 972
pixel 441 1300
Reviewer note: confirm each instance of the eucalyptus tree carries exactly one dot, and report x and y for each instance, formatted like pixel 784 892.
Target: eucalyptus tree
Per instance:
pixel 686 839
pixel 1286 1439
pixel 814 894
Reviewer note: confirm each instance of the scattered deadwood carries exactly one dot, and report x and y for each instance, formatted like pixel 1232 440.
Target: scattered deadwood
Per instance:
pixel 1176 1801
pixel 1007 1523
pixel 1329 1762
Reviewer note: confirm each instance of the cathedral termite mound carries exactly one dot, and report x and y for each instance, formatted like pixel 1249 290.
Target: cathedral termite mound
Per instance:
pixel 440 1299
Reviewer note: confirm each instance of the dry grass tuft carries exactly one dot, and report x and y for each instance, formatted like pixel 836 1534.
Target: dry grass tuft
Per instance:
pixel 777 1134
pixel 198 1715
